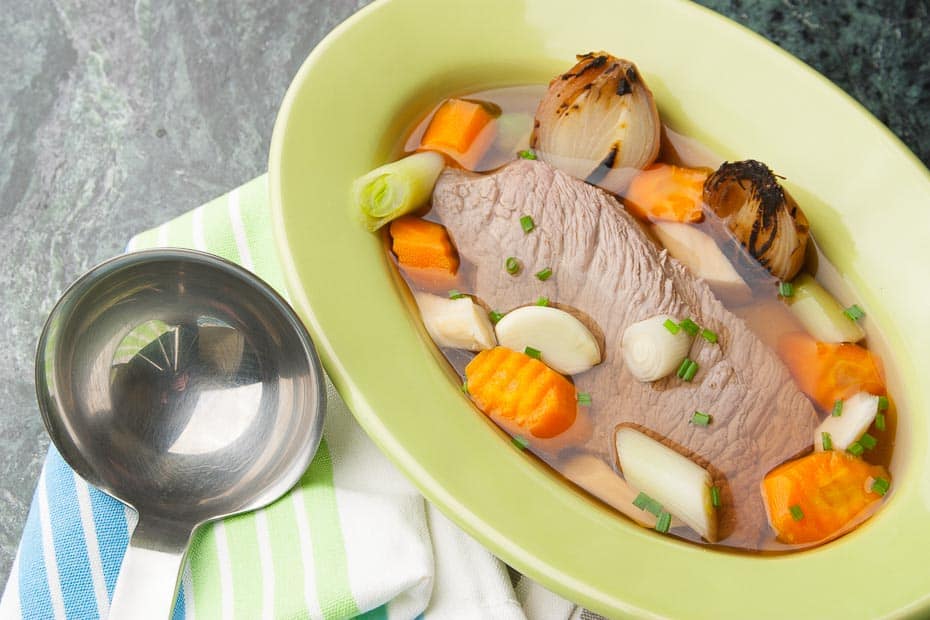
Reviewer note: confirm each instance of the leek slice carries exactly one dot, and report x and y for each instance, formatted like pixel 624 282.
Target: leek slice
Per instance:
pixel 821 314
pixel 397 188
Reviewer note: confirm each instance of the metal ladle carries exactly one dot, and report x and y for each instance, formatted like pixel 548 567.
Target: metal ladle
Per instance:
pixel 186 388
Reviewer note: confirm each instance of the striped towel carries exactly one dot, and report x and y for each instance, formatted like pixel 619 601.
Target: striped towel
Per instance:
pixel 352 539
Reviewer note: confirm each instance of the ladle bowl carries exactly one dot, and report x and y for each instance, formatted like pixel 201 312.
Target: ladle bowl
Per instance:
pixel 185 387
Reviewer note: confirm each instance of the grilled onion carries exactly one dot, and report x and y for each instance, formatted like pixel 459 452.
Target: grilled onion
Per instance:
pixel 598 122
pixel 762 216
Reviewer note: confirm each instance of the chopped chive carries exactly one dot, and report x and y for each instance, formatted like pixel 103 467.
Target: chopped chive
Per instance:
pixel 671 326
pixel 701 419
pixel 527 154
pixel 692 370
pixel 520 442
pixel 512 265
pixel 545 274
pixel 542 301
pixel 527 223
pixel 644 502
pixel 584 398
pixel 855 448
pixel 715 496
pixel 534 353
pixel 454 294
pixel 465 386
pixel 880 486
pixel 882 403
pixel 854 312
pixel 786 289
pixel 880 422
pixel 689 326
pixel 826 440
pixel 868 442
pixel 837 409
pixel 495 316
pixel 663 522
pixel 709 336
pixel 684 367
pixel 796 513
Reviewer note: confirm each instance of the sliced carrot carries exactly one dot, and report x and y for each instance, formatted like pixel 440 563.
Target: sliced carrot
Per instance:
pixel 667 192
pixel 521 390
pixel 423 245
pixel 830 372
pixel 819 496
pixel 463 129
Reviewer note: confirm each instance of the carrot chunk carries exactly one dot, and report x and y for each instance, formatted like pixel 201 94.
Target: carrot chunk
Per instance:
pixel 830 372
pixel 462 129
pixel 518 389
pixel 819 496
pixel 420 244
pixel 666 192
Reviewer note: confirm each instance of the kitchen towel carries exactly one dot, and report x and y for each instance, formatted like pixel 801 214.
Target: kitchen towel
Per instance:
pixel 353 539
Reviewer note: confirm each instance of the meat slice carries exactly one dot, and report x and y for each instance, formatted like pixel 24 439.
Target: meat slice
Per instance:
pixel 612 274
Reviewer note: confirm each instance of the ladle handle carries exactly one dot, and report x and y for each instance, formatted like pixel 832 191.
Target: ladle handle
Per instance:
pixel 148 578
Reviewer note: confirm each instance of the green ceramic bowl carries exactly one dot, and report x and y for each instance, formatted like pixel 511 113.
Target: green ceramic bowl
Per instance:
pixel 864 192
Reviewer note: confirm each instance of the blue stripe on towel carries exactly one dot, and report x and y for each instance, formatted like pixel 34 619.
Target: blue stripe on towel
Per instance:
pixel 179 604
pixel 77 586
pixel 112 534
pixel 35 599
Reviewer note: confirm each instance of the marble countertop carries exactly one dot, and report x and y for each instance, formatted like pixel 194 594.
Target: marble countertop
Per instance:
pixel 117 116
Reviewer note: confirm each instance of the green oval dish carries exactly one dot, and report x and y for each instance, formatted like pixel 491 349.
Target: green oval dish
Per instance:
pixel 865 194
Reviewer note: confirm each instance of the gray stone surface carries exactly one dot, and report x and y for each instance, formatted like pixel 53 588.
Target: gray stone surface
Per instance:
pixel 116 116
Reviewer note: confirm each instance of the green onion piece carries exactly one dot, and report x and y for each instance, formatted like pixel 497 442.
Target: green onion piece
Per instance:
pixel 826 440
pixel 397 188
pixel 584 398
pixel 534 353
pixel 854 312
pixel 691 371
pixel 642 500
pixel 690 326
pixel 868 442
pixel 520 442
pixel 512 265
pixel 786 289
pixel 715 496
pixel 684 367
pixel 663 522
pixel 542 301
pixel 882 403
pixel 545 274
pixel 454 294
pixel 465 386
pixel 671 326
pixel 701 419
pixel 495 316
pixel 855 448
pixel 837 409
pixel 796 513
pixel 527 223
pixel 880 486
pixel 709 336
pixel 527 154
pixel 880 422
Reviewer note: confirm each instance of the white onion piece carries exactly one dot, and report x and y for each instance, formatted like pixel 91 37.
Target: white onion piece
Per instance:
pixel 564 343
pixel 598 118
pixel 858 413
pixel 651 351
pixel 456 323
pixel 682 486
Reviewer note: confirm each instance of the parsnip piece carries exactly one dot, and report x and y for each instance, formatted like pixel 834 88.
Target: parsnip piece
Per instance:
pixel 821 314
pixel 857 414
pixel 682 486
pixel 699 253
pixel 564 342
pixel 456 323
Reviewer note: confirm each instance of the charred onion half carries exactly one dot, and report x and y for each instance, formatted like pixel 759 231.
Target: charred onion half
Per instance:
pixel 762 216
pixel 598 122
